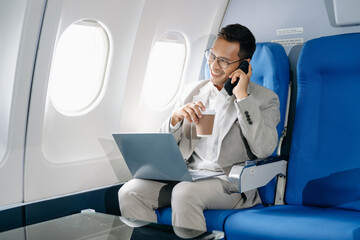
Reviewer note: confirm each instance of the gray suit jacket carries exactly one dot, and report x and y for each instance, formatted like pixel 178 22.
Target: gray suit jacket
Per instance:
pixel 254 118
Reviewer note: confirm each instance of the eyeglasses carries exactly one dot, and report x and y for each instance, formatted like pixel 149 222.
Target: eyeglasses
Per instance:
pixel 223 63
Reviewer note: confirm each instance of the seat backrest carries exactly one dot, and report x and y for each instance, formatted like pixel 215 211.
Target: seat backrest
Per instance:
pixel 324 164
pixel 270 68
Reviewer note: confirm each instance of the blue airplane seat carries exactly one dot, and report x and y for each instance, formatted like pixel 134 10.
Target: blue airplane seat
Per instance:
pixel 322 190
pixel 271 69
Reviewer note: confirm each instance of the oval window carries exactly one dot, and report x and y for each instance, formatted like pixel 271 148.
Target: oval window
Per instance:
pixel 164 70
pixel 78 70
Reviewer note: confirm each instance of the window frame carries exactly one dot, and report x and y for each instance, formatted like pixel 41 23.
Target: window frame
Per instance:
pixel 102 81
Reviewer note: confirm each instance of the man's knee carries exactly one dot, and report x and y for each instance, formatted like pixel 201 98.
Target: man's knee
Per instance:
pixel 127 192
pixel 184 193
pixel 187 208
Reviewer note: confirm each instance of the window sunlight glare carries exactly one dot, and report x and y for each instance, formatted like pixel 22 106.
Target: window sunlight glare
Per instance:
pixel 163 73
pixel 79 65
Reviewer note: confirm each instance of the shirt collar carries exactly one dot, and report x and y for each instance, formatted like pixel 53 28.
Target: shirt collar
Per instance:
pixel 212 90
pixel 216 93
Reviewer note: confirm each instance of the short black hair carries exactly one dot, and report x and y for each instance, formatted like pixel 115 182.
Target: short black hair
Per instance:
pixel 241 34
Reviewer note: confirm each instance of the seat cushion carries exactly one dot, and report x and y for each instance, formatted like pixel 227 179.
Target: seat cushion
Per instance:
pixel 293 222
pixel 215 219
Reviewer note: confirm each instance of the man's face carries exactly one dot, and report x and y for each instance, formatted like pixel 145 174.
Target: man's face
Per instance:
pixel 226 50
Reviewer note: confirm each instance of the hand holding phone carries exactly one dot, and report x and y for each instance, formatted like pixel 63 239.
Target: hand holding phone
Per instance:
pixel 244 66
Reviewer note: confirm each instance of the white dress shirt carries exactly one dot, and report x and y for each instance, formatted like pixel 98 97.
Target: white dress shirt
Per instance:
pixel 205 156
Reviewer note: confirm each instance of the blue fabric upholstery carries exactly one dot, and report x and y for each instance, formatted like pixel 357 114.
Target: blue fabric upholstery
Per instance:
pixel 270 69
pixel 323 187
pixel 293 222
pixel 215 219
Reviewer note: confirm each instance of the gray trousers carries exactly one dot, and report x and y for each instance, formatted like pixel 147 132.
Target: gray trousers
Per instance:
pixel 139 198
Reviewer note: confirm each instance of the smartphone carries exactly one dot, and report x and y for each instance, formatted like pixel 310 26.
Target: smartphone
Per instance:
pixel 244 66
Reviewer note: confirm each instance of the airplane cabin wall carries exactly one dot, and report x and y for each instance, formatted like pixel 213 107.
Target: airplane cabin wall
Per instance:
pixel 20 22
pixel 68 153
pixel 72 152
pixel 197 21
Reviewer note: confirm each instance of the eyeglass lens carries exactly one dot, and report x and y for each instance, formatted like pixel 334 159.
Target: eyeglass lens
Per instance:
pixel 211 57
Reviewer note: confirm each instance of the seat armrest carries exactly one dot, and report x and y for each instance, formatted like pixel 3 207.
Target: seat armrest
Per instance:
pixel 261 161
pixel 256 173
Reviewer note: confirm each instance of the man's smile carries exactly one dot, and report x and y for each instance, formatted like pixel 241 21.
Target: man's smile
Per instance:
pixel 215 74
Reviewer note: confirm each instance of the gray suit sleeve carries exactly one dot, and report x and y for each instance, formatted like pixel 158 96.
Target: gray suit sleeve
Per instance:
pixel 258 121
pixel 175 132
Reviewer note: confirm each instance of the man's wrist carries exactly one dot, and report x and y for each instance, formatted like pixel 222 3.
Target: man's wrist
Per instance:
pixel 174 127
pixel 241 95
pixel 174 120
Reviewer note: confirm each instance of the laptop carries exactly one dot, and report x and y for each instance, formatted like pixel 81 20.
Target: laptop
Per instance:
pixel 156 156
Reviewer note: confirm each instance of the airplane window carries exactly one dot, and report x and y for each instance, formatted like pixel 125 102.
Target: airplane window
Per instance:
pixel 164 70
pixel 78 70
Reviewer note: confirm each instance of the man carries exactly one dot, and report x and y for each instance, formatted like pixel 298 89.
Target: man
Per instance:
pixel 244 128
